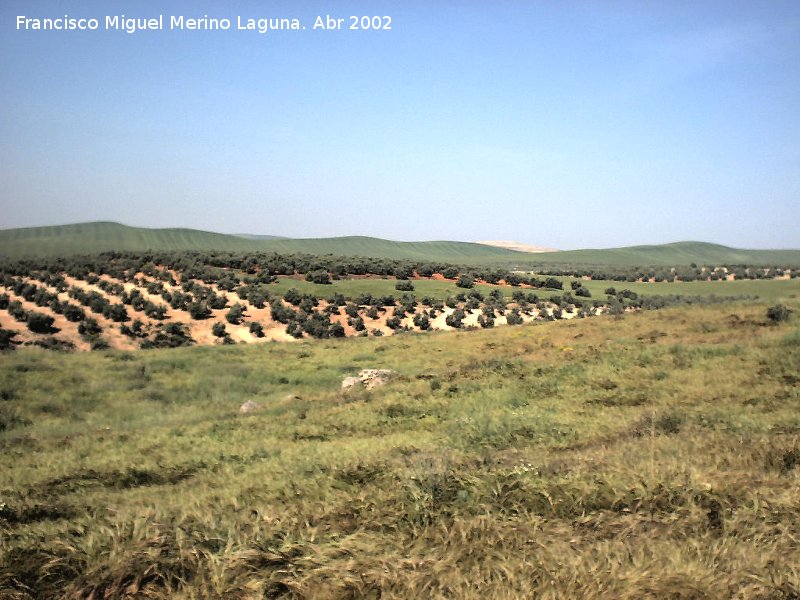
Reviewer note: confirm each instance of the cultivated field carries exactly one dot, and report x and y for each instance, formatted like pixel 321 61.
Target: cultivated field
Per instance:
pixel 652 455
pixel 127 302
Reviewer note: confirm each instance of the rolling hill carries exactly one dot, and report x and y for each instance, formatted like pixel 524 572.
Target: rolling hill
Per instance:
pixel 86 238
pixel 678 253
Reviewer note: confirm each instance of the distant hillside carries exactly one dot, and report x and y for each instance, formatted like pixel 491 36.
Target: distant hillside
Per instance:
pixel 510 245
pixel 678 253
pixel 444 251
pixel 252 236
pixel 87 238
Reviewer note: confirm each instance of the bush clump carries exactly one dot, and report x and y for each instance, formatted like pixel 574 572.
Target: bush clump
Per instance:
pixel 778 313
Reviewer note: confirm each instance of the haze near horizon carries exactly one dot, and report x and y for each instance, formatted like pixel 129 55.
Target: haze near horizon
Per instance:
pixel 575 125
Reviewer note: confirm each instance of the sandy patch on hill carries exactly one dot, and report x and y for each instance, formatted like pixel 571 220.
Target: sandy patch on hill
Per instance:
pixel 519 247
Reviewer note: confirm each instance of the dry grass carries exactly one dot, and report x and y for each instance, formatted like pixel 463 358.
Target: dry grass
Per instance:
pixel 653 456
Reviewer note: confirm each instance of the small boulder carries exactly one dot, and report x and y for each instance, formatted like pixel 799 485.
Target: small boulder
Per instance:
pixel 372 378
pixel 369 378
pixel 249 407
pixel 349 382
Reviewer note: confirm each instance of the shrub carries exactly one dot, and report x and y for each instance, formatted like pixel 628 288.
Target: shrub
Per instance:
pixel 171 335
pixel 99 344
pixel 778 313
pixel 40 323
pixel 7 339
pixel 320 277
pixel 394 322
pixel 89 327
pixel 403 272
pixel 217 302
pixel 258 298
pixel 404 286
pixel 455 319
pixel 235 314
pixel 337 300
pixel 308 303
pixel 422 321
pixel 553 283
pixel 514 318
pixel 218 329
pixel 198 310
pixel 73 313
pixel 281 313
pixel 116 312
pixel 157 312
pixel 15 310
pixel 465 281
pixel 486 321
pixel 293 297
pixel 257 329
pixel 294 329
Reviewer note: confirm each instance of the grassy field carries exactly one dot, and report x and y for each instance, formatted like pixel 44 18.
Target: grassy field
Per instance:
pixel 773 289
pixel 765 289
pixel 650 456
pixel 352 288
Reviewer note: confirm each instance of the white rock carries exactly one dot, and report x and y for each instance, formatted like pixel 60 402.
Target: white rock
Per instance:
pixel 369 378
pixel 349 382
pixel 249 407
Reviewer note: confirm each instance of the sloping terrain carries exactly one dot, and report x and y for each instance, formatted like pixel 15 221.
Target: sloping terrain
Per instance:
pixel 89 238
pixel 126 314
pixel 652 456
pixel 512 245
pixel 678 253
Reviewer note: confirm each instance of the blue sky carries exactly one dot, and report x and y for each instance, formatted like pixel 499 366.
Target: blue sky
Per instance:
pixel 565 124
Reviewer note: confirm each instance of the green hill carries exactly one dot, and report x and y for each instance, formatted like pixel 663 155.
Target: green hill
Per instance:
pixel 678 253
pixel 445 251
pixel 86 238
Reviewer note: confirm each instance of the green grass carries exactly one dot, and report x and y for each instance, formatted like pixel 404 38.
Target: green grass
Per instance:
pixel 88 238
pixel 768 290
pixel 764 289
pixel 650 456
pixel 351 288
pixel 679 253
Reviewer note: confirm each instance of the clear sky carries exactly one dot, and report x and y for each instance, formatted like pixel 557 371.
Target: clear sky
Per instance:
pixel 565 124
